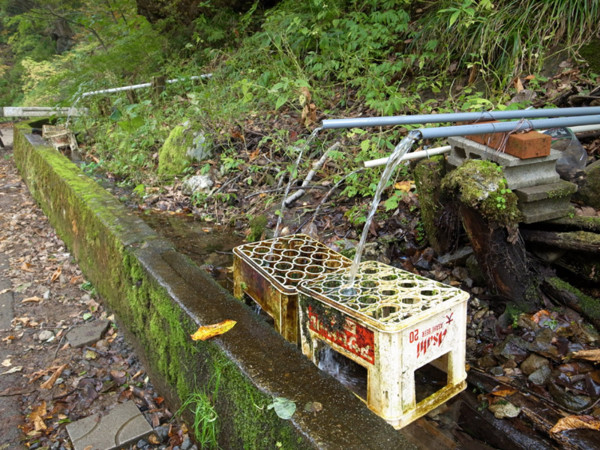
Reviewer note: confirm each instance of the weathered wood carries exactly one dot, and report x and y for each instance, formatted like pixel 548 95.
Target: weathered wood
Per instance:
pixel 504 263
pixel 585 223
pixel 563 292
pixel 574 240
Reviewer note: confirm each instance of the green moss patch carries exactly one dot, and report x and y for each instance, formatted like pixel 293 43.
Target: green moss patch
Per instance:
pixel 482 186
pixel 172 158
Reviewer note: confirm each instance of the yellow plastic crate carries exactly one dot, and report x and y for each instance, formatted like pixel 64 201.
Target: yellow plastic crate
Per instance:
pixel 269 272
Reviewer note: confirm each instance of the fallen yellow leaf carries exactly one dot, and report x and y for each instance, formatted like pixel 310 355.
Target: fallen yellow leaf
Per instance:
pixel 575 422
pixel 404 186
pixel 209 331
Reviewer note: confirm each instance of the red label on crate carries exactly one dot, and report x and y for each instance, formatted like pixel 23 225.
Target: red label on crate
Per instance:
pixel 432 336
pixel 353 337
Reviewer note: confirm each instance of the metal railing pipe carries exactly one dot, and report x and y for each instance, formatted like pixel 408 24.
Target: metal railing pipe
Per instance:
pixel 506 127
pixel 458 117
pixel 133 87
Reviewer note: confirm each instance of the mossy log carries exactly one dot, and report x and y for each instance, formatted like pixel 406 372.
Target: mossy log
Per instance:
pixel 584 223
pixel 563 292
pixel 440 218
pixel 574 240
pixel 489 214
pixel 503 260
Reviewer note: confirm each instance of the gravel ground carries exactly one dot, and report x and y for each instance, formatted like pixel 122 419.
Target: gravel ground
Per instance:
pixel 45 383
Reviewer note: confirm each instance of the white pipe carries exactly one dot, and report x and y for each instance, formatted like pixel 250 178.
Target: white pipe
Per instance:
pixel 585 128
pixel 410 156
pixel 142 85
pixel 446 149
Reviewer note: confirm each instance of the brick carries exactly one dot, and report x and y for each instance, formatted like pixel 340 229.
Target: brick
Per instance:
pixel 531 144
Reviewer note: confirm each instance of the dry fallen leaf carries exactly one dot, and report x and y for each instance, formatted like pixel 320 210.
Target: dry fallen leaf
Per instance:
pixel 575 422
pixel 27 267
pixel 518 84
pixel 503 392
pixel 39 424
pixel 13 370
pixel 540 315
pixel 404 186
pixel 37 417
pixel 55 275
pixel 50 382
pixel 209 331
pixel 590 355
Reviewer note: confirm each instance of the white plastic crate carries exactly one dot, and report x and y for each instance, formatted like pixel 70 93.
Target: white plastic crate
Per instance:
pixel 391 322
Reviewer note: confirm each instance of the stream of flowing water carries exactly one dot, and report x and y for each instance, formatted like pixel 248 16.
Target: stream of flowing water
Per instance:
pixel 401 149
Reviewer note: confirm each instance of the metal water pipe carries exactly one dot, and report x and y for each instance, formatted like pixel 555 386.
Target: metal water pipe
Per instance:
pixel 507 127
pixel 446 148
pixel 458 117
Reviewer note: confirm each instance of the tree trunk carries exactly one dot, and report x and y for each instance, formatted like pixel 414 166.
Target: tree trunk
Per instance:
pixel 505 264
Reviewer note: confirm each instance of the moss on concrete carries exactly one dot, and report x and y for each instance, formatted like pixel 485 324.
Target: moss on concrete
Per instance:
pixel 482 186
pixel 88 220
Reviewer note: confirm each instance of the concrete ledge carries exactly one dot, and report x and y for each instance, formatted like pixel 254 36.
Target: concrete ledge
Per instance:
pixel 160 298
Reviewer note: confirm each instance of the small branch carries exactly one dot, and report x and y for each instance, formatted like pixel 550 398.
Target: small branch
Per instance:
pixel 277 189
pixel 316 166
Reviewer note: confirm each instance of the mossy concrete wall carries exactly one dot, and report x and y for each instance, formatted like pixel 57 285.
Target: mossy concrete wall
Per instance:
pixel 160 298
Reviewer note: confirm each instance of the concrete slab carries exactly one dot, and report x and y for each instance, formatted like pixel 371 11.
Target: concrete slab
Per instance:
pixel 519 173
pixel 545 202
pixel 6 298
pixel 87 333
pixel 123 425
pixel 6 137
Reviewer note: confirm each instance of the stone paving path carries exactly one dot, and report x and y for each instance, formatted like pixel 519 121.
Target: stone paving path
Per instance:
pixel 65 369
